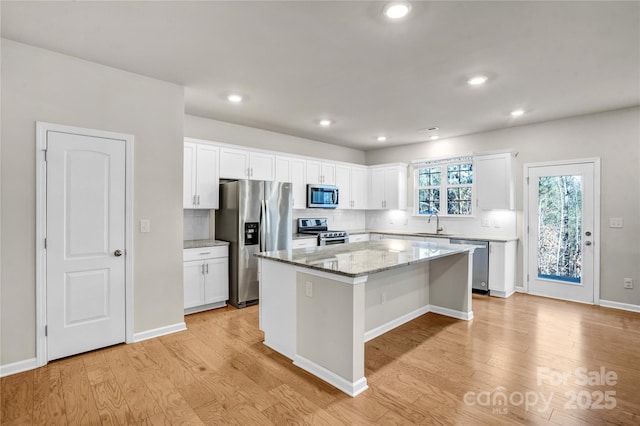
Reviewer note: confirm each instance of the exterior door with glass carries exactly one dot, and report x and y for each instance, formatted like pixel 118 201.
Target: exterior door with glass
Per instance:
pixel 561 229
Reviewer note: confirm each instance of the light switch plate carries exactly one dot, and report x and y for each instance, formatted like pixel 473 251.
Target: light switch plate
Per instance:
pixel 616 222
pixel 145 225
pixel 485 222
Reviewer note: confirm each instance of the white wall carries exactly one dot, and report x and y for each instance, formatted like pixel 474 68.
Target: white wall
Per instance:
pixel 613 136
pixel 220 131
pixel 39 85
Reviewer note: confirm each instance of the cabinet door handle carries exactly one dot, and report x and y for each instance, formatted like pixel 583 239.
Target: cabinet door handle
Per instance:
pixel 194 200
pixel 202 269
pixel 207 268
pixel 198 200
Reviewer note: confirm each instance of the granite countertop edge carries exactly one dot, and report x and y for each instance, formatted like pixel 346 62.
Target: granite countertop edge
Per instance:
pixel 189 244
pixel 423 234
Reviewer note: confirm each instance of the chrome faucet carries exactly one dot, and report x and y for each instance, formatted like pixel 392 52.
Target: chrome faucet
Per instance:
pixel 438 228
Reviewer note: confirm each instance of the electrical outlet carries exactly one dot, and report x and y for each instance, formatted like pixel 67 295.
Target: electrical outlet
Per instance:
pixel 383 298
pixel 145 225
pixel 628 283
pixel 309 289
pixel 616 222
pixel 485 222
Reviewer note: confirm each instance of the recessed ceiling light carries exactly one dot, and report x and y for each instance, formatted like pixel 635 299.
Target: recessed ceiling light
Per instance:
pixel 397 9
pixel 477 80
pixel 235 98
pixel 381 138
pixel 434 137
pixel 517 112
pixel 326 122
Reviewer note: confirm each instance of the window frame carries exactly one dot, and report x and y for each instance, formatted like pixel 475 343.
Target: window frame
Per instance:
pixel 443 164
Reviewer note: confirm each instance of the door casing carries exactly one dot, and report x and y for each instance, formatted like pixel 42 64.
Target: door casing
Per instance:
pixel 596 220
pixel 41 230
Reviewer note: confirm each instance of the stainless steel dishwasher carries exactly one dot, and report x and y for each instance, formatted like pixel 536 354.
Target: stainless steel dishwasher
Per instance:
pixel 480 278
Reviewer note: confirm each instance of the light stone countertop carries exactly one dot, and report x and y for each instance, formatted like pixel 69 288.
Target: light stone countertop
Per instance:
pixel 364 258
pixel 189 244
pixel 426 234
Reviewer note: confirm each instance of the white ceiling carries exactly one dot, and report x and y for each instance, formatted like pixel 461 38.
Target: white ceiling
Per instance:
pixel 299 61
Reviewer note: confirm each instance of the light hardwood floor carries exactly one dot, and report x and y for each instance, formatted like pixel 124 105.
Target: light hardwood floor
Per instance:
pixel 219 372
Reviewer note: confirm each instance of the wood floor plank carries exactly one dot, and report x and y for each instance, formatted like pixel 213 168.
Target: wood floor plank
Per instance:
pixel 80 405
pixel 48 401
pixel 17 399
pixel 111 404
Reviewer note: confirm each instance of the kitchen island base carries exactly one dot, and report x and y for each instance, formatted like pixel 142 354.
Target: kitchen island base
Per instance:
pixel 321 320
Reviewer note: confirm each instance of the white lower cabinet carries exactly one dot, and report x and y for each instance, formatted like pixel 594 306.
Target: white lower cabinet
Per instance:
pixel 304 242
pixel 206 278
pixel 502 268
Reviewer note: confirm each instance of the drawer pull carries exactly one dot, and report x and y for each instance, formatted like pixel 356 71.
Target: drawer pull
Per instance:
pixel 206 252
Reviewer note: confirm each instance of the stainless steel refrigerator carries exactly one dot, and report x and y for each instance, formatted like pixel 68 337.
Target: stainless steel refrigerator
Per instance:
pixel 254 216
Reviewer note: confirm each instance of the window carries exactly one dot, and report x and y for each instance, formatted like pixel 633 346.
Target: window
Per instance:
pixel 445 187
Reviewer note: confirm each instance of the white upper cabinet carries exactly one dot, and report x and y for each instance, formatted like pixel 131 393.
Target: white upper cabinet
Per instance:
pixel 352 183
pixel 494 175
pixel 321 173
pixel 200 176
pixel 388 187
pixel 245 164
pixel 292 169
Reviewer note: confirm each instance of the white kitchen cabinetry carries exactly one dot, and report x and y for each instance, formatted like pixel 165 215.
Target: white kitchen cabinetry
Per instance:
pixel 245 164
pixel 502 268
pixel 200 176
pixel 205 278
pixel 356 238
pixel 292 169
pixel 494 175
pixel 321 173
pixel 352 183
pixel 388 187
pixel 304 242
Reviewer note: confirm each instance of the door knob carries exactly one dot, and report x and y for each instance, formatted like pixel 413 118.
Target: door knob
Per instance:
pixel 588 234
pixel 117 253
pixel 587 243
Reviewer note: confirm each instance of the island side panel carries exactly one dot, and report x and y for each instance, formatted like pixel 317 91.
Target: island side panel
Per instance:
pixel 278 306
pixel 395 297
pixel 450 285
pixel 331 326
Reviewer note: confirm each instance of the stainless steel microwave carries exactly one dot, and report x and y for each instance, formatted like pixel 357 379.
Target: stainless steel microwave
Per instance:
pixel 322 196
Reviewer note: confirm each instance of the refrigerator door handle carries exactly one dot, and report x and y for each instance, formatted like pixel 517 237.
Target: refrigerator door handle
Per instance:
pixel 263 226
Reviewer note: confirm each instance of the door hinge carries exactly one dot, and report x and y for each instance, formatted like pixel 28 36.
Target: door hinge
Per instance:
pixel 45 243
pixel 527 277
pixel 527 180
pixel 45 155
pixel 527 229
pixel 46 330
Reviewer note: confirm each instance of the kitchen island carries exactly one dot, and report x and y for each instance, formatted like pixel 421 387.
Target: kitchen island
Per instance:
pixel 319 305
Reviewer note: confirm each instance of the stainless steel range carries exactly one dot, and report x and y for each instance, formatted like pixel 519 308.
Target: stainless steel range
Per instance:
pixel 318 226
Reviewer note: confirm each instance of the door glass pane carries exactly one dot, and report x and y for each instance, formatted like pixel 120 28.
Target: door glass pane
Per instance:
pixel 560 228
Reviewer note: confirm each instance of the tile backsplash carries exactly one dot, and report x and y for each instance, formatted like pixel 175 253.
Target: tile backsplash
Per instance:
pixel 197 224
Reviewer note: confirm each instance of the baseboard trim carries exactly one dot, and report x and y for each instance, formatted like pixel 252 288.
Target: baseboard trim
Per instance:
pixel 18 367
pixel 157 332
pixel 350 388
pixel 501 294
pixel 520 289
pixel 467 316
pixel 618 305
pixel 380 330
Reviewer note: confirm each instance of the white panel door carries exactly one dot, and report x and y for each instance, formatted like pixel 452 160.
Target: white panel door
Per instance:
pixel 328 173
pixel 193 282
pixel 377 185
pixel 85 243
pixel 283 169
pixel 343 182
pixel 189 176
pixel 216 287
pixel 314 172
pixel 207 177
pixel 358 188
pixel 298 179
pixel 561 231
pixel 234 163
pixel 262 166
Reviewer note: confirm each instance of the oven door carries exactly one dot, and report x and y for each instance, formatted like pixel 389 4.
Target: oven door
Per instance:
pixel 322 196
pixel 328 241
